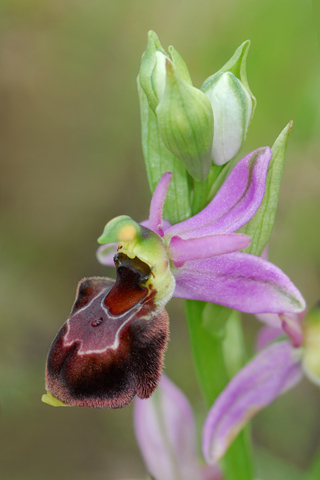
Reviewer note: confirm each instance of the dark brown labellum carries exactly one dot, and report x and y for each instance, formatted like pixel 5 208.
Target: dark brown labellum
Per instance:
pixel 111 347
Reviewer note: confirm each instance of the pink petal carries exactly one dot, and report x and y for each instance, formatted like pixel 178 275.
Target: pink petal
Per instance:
pixel 273 371
pixel 235 203
pixel 182 251
pixel 157 202
pixel 165 431
pixel 240 281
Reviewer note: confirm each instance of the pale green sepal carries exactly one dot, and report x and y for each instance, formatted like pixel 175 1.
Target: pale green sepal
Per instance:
pixel 180 65
pixel 51 400
pixel 121 229
pixel 260 226
pixel 232 107
pixel 185 121
pixel 152 69
pixel 159 160
pixel 238 66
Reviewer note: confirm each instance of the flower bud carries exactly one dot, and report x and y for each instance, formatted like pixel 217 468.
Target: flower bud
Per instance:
pixel 186 124
pixel 311 356
pixel 152 74
pixel 233 106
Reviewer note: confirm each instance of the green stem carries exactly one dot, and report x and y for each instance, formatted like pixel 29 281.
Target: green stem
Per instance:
pixel 207 353
pixel 212 373
pixel 199 196
pixel 201 190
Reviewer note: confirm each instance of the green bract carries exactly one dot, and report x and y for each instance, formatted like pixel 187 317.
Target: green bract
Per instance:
pixel 159 160
pixel 186 124
pixel 152 74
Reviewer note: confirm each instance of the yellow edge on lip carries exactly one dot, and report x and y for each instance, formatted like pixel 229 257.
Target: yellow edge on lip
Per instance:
pixel 51 400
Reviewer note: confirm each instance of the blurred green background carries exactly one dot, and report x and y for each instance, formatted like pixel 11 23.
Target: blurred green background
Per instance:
pixel 71 159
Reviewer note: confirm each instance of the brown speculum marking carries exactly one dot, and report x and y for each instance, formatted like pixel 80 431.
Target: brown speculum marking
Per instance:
pixel 112 345
pixel 127 290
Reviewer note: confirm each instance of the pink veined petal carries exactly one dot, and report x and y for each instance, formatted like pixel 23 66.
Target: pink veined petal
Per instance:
pixel 165 431
pixel 240 281
pixel 273 371
pixel 235 203
pixel 157 202
pixel 183 250
pixel 105 254
pixel 267 335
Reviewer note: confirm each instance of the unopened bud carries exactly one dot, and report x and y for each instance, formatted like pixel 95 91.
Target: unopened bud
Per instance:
pixel 152 74
pixel 233 105
pixel 186 124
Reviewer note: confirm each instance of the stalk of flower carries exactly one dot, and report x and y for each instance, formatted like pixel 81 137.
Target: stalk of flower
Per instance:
pixel 232 106
pixel 278 366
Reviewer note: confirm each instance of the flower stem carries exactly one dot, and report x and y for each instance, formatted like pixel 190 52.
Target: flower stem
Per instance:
pixel 213 376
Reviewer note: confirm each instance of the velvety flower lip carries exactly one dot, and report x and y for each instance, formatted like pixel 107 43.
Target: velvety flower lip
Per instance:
pixel 111 348
pixel 203 251
pixel 273 371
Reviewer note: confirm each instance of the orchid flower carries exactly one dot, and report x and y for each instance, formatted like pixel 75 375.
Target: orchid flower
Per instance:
pixel 278 367
pixel 165 431
pixel 202 252
pixel 112 346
